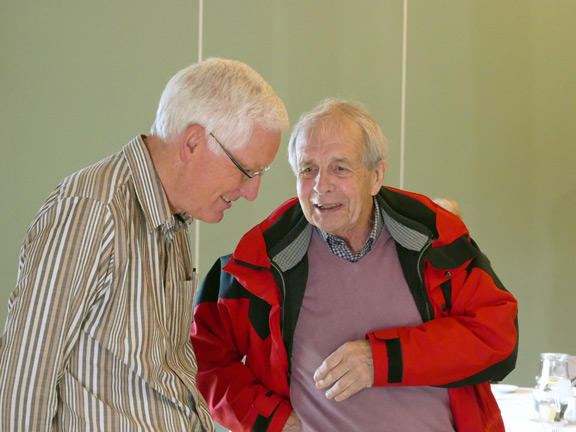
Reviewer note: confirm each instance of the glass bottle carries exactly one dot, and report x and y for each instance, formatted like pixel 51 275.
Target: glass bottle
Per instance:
pixel 553 389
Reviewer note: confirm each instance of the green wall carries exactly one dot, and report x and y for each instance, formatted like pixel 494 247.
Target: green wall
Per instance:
pixel 490 118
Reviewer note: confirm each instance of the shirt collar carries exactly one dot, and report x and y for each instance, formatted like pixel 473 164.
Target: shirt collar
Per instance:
pixel 339 247
pixel 149 190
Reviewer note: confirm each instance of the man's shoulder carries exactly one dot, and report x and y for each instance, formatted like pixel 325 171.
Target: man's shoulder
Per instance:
pixel 401 196
pixel 416 213
pixel 99 182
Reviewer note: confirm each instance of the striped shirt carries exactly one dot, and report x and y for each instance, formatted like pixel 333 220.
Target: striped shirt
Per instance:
pixel 98 331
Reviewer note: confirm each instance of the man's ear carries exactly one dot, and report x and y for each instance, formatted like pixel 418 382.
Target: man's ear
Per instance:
pixel 193 136
pixel 379 178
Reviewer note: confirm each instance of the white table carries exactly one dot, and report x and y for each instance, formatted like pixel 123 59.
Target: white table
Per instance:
pixel 518 411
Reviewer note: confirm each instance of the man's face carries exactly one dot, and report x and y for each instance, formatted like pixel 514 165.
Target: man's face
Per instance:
pixel 335 188
pixel 216 182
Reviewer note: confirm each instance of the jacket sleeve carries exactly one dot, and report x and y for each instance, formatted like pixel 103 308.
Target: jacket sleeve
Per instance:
pixel 472 338
pixel 221 333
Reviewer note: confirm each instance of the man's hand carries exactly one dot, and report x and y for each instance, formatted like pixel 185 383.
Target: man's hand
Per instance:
pixel 346 371
pixel 292 424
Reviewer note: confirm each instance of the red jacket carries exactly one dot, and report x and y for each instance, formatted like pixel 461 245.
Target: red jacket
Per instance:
pixel 244 318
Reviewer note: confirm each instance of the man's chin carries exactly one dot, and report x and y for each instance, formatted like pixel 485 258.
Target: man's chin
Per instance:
pixel 212 219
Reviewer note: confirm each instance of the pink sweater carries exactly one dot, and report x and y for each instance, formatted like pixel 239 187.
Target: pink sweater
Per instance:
pixel 343 302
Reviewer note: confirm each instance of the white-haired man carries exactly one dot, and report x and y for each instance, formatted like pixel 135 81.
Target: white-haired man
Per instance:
pixel 97 336
pixel 355 307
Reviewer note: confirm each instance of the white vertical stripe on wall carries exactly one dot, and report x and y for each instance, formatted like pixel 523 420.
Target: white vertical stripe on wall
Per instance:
pixel 200 27
pixel 196 221
pixel 403 106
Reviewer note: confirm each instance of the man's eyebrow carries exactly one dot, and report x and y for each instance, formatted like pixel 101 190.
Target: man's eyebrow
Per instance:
pixel 340 160
pixel 332 161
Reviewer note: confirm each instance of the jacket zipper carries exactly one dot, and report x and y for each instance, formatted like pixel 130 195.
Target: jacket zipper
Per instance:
pixel 283 295
pixel 420 271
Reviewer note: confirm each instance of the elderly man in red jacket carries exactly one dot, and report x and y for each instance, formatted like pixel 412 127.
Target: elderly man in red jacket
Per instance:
pixel 354 307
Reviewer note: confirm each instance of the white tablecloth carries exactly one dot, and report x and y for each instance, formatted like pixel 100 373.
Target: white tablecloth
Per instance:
pixel 518 411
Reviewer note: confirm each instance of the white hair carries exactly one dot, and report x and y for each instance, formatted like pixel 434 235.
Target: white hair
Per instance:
pixel 332 113
pixel 226 97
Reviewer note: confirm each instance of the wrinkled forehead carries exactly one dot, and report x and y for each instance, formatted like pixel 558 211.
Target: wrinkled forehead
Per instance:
pixel 338 142
pixel 330 128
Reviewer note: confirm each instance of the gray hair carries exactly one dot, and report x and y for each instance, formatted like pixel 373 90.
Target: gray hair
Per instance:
pixel 226 97
pixel 332 113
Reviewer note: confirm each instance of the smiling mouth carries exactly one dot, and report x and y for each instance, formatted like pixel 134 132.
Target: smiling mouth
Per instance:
pixel 225 199
pixel 326 206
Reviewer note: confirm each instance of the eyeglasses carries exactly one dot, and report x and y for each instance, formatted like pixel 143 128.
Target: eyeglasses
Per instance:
pixel 235 162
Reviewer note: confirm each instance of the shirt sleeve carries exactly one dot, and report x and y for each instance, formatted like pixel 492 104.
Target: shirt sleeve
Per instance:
pixel 60 263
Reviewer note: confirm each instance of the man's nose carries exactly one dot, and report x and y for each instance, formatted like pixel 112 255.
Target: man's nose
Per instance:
pixel 323 182
pixel 250 187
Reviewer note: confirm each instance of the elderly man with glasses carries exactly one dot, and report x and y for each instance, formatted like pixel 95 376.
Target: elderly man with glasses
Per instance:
pixel 98 330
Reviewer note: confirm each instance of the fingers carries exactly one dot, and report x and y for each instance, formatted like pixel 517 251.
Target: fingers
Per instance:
pixel 346 371
pixel 344 388
pixel 327 368
pixel 293 423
